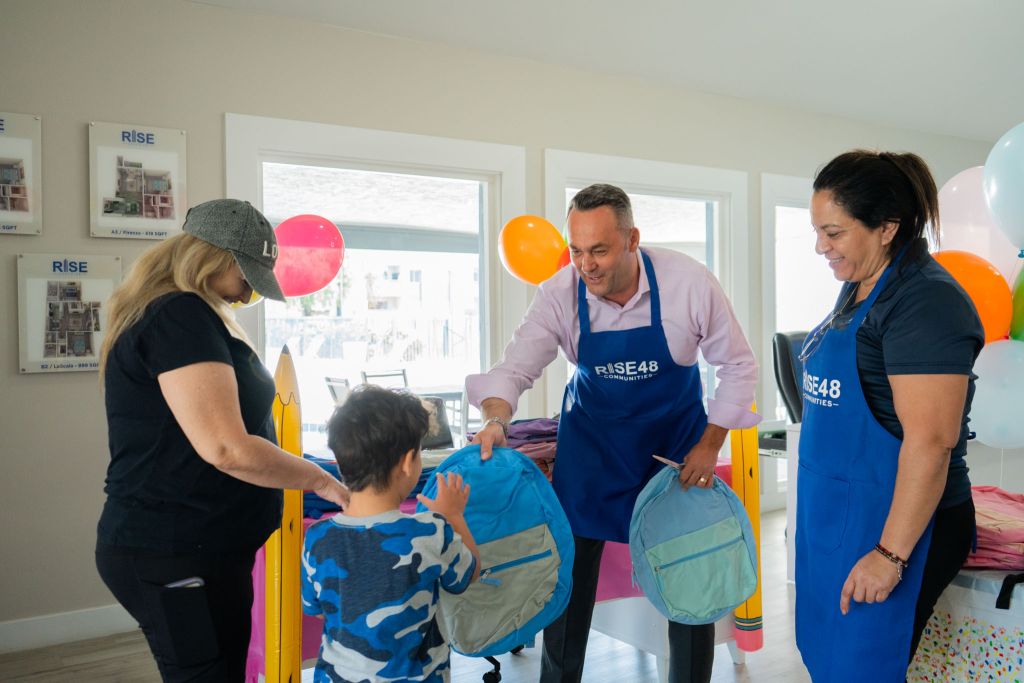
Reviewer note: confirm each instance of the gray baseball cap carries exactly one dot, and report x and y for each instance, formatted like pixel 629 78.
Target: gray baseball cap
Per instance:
pixel 238 227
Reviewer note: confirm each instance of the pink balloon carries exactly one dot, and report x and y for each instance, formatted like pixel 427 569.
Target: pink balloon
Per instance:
pixel 967 224
pixel 310 250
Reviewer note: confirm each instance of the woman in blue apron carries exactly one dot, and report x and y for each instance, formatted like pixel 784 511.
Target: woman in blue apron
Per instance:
pixel 884 515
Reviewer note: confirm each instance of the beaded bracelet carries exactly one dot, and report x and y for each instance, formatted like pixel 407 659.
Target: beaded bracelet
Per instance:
pixel 900 563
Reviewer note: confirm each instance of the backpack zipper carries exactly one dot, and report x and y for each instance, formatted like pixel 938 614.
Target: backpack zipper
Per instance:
pixel 738 539
pixel 485 574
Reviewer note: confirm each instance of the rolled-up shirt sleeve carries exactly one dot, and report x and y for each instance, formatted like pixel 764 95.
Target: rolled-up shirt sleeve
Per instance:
pixel 724 346
pixel 533 346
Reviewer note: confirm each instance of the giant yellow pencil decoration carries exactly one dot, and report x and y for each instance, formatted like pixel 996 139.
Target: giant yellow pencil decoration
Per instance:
pixel 283 655
pixel 746 483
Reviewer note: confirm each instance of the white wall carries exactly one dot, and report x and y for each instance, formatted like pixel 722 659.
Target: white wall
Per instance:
pixel 176 64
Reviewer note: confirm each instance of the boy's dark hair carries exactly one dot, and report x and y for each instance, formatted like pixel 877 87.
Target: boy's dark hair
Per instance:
pixel 371 432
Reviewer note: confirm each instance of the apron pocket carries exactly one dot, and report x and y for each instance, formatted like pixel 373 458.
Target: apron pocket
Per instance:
pixel 822 508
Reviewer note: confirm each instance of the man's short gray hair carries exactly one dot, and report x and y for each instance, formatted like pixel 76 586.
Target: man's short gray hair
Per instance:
pixel 601 194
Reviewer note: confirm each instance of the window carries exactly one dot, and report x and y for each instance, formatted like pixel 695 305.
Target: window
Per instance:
pixel 805 289
pixel 370 319
pixel 416 284
pixel 686 225
pixel 699 211
pixel 799 289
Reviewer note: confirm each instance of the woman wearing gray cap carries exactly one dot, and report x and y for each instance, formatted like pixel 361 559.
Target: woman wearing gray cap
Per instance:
pixel 193 485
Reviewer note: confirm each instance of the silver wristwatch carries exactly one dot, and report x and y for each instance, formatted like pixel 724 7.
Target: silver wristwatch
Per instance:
pixel 498 420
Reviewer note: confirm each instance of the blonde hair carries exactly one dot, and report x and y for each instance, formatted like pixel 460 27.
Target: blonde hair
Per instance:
pixel 181 263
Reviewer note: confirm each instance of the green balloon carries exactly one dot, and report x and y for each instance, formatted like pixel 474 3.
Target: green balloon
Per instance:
pixel 1017 324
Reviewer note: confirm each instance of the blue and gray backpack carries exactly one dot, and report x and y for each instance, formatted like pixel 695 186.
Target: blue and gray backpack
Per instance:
pixel 526 553
pixel 693 551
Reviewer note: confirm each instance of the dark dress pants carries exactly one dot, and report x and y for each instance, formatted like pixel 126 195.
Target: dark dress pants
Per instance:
pixel 691 648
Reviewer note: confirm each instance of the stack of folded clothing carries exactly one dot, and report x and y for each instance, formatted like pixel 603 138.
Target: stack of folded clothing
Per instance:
pixel 1000 519
pixel 534 438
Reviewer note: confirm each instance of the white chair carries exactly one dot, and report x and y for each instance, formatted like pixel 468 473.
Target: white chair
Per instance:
pixel 339 388
pixel 387 378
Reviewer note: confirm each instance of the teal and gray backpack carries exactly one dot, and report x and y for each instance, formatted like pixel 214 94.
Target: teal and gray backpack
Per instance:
pixel 693 551
pixel 526 553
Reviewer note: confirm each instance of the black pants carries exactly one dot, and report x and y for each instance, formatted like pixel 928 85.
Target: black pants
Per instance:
pixel 196 633
pixel 691 648
pixel 952 536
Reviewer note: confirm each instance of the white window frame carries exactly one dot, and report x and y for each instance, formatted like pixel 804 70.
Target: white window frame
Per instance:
pixel 252 140
pixel 728 187
pixel 776 190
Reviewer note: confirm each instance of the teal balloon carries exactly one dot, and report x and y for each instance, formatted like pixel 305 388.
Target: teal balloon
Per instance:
pixel 1017 324
pixel 1004 184
pixel 999 395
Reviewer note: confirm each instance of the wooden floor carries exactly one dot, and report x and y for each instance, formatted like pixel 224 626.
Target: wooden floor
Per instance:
pixel 126 658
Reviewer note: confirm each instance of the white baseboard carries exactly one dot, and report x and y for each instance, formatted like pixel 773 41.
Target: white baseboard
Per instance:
pixel 65 627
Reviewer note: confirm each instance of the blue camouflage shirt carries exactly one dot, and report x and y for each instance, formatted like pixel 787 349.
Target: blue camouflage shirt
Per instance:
pixel 376 580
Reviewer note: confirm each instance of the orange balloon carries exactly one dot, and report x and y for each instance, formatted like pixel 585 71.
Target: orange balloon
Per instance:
pixel 564 259
pixel 531 248
pixel 986 287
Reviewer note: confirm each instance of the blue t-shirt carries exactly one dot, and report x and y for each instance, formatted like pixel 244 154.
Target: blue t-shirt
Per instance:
pixel 376 580
pixel 923 323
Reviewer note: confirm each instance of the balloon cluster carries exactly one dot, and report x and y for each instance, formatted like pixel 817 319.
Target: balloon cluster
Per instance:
pixel 982 212
pixel 532 249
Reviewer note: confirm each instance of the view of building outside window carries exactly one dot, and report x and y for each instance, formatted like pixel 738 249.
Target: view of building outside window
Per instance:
pixel 407 297
pixel 678 223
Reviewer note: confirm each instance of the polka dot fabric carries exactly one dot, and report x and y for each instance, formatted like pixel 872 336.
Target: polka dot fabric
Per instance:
pixel 964 649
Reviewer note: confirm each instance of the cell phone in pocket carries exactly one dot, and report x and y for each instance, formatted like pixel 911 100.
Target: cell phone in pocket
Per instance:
pixel 184 621
pixel 190 582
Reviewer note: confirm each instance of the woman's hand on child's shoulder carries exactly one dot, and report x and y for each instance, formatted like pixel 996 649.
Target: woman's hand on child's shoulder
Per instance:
pixel 452 496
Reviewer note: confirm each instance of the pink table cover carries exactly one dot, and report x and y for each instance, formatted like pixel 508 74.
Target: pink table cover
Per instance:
pixel 615 581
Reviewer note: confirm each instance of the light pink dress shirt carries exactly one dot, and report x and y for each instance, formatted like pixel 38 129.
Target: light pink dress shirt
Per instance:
pixel 695 313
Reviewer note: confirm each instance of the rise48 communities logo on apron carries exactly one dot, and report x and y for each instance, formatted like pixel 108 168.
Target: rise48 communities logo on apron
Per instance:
pixel 627 371
pixel 822 391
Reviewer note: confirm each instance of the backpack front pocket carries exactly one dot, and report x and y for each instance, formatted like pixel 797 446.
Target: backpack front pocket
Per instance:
pixel 519 575
pixel 702 573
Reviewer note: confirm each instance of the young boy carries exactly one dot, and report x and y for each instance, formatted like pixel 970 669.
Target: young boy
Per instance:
pixel 373 572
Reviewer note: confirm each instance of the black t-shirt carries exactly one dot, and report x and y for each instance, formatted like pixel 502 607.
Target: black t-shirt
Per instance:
pixel 923 323
pixel 161 495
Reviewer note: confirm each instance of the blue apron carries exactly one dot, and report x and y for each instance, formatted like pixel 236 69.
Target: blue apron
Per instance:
pixel 845 486
pixel 627 401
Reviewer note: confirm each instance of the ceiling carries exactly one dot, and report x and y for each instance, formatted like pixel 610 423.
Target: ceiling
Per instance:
pixel 954 67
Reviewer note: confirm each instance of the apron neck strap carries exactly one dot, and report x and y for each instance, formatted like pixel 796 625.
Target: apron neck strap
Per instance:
pixel 652 282
pixel 862 310
pixel 583 309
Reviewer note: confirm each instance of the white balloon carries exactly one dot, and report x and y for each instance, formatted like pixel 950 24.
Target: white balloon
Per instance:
pixel 999 395
pixel 968 225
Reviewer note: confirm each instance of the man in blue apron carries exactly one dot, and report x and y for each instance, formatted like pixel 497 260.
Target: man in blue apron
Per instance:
pixel 636 392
